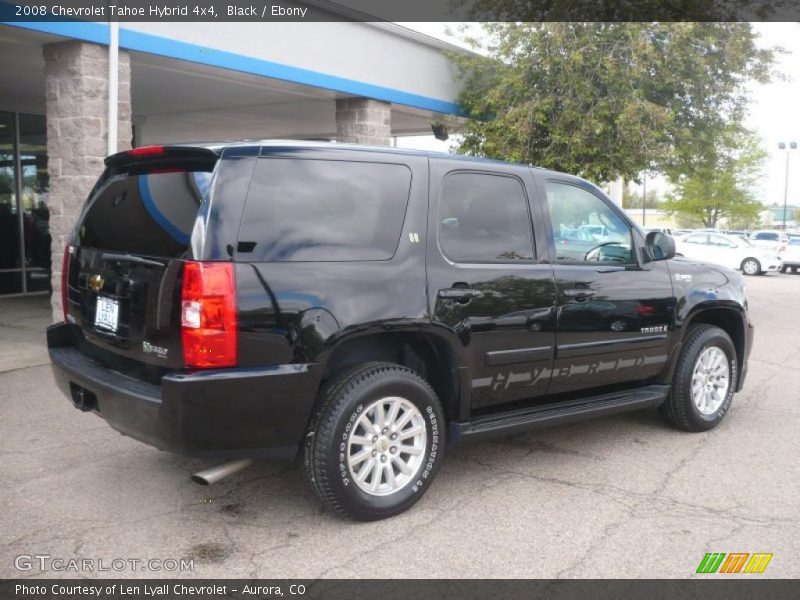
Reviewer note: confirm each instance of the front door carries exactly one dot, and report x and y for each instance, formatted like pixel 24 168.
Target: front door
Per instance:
pixel 615 311
pixel 485 282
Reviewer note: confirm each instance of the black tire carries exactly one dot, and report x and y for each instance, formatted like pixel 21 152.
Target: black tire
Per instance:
pixel 751 266
pixel 679 409
pixel 794 270
pixel 342 402
pixel 784 269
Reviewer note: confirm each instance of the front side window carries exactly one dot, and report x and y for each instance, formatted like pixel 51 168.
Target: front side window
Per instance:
pixel 586 229
pixel 323 210
pixel 484 218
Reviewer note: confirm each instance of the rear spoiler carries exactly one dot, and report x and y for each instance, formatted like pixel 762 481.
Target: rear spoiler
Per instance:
pixel 176 156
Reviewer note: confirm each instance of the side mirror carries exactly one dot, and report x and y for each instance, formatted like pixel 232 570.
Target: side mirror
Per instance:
pixel 659 246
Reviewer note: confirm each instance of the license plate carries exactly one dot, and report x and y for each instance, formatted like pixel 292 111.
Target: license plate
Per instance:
pixel 106 315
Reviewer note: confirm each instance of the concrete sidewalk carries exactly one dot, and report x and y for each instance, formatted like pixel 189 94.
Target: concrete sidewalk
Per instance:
pixel 22 332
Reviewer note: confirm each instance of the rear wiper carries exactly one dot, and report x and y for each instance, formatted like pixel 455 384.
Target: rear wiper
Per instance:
pixel 131 258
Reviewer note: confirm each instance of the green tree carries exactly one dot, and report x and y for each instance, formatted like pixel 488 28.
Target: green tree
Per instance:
pixel 632 199
pixel 722 186
pixel 607 99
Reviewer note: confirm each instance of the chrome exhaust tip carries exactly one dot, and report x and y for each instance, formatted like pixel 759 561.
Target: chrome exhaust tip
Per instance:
pixel 215 474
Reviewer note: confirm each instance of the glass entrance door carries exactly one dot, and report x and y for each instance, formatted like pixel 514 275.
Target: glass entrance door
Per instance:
pixel 24 214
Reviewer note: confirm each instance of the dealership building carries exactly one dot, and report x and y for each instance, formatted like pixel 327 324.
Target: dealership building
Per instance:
pixel 351 81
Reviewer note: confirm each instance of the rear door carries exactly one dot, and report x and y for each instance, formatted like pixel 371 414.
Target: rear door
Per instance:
pixel 488 281
pixel 137 227
pixel 615 312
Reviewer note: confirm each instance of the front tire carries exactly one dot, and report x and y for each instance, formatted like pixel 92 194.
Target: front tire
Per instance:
pixel 751 266
pixel 375 446
pixel 704 382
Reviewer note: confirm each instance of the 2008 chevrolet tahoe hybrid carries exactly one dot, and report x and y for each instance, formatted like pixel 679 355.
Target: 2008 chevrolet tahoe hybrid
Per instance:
pixel 370 307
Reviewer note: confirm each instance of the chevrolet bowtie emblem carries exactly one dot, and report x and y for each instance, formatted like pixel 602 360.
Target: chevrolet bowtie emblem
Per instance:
pixel 96 283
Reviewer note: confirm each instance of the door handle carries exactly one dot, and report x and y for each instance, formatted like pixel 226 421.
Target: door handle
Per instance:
pixel 459 294
pixel 579 293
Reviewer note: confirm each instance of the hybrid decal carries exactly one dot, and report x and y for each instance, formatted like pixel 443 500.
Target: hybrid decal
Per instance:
pixel 531 378
pixel 683 277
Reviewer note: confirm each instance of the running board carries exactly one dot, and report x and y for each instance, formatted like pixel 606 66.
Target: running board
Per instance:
pixel 548 415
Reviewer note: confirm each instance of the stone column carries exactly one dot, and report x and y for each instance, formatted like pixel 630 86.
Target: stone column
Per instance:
pixel 363 121
pixel 76 95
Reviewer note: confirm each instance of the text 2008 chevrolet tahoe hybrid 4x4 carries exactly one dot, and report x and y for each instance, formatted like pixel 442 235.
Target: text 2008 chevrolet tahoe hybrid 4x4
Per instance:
pixel 371 307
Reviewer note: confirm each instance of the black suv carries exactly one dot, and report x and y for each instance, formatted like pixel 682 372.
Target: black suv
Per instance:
pixel 370 307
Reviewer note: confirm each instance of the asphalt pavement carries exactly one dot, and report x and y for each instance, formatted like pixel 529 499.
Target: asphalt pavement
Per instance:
pixel 622 496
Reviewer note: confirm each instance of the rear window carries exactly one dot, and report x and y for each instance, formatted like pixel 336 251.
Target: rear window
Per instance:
pixel 149 213
pixel 320 210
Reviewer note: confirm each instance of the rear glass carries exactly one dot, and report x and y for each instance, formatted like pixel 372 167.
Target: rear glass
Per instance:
pixel 320 210
pixel 151 214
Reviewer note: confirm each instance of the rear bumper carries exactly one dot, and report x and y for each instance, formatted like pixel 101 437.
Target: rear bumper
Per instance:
pixel 253 411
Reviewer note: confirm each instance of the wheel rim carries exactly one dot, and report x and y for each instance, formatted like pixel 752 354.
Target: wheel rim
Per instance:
pixel 750 267
pixel 710 380
pixel 386 446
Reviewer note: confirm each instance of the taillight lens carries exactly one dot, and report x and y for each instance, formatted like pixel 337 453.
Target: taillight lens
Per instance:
pixel 208 315
pixel 65 280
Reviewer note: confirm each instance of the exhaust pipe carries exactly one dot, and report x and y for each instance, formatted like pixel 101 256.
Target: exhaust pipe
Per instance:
pixel 214 474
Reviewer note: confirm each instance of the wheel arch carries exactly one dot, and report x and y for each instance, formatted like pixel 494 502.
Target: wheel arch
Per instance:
pixel 730 319
pixel 427 352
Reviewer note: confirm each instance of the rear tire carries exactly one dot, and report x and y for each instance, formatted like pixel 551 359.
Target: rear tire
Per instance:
pixel 704 382
pixel 784 269
pixel 375 446
pixel 751 266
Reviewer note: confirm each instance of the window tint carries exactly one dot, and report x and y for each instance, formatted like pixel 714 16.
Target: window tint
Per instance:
pixel 151 214
pixel 585 228
pixel 484 219
pixel 322 210
pixel 768 236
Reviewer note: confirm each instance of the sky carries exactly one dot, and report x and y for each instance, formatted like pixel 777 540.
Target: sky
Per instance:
pixel 774 113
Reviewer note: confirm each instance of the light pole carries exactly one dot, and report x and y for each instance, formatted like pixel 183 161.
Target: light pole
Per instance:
pixel 644 196
pixel 782 146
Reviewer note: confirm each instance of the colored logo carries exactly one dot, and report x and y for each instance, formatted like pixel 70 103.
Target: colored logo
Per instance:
pixel 734 562
pixel 96 283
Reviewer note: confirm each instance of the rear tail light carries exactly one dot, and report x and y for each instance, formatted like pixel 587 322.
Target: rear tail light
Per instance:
pixel 208 314
pixel 65 279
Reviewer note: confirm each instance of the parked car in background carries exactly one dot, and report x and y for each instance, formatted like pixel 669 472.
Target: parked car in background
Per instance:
pixel 791 256
pixel 769 238
pixel 729 251
pixel 679 232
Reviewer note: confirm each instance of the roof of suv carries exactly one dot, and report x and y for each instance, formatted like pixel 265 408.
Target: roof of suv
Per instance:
pixel 220 145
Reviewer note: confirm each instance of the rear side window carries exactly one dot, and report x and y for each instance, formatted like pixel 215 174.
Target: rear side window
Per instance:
pixel 151 213
pixel 321 210
pixel 484 219
pixel 773 237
